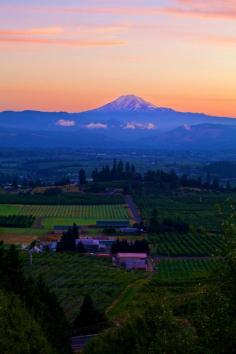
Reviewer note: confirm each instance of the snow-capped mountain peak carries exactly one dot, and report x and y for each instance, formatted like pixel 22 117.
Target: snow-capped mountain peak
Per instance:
pixel 128 103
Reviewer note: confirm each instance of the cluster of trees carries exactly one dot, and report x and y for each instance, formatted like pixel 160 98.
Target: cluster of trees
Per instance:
pixel 29 303
pixel 202 321
pixel 124 246
pixel 170 180
pixel 68 242
pixel 166 225
pixel 118 172
pixel 17 221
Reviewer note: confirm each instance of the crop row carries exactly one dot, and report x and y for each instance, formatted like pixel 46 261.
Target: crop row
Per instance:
pixel 73 211
pixel 177 244
pixel 183 270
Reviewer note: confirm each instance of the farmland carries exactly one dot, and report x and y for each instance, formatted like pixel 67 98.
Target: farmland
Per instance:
pixel 71 276
pixel 178 244
pixel 110 212
pixel 67 214
pixel 196 208
pixel 183 270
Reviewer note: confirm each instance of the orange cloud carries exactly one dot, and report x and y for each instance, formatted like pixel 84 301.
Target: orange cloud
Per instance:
pixel 32 31
pixel 69 42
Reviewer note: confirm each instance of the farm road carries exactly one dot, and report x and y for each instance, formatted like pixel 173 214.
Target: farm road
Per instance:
pixel 78 343
pixel 133 208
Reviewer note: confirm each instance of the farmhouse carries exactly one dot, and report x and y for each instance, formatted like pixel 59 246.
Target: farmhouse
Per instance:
pixel 131 260
pixel 89 244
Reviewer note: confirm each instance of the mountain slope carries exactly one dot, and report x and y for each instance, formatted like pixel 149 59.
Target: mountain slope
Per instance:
pixel 128 103
pixel 203 136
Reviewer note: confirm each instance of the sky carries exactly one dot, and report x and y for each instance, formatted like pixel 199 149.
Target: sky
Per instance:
pixel 74 55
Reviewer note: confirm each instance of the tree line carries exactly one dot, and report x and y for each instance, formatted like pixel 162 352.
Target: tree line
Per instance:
pixel 124 246
pixel 119 171
pixel 156 225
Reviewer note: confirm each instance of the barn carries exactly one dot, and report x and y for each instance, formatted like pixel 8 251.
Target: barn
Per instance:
pixel 131 260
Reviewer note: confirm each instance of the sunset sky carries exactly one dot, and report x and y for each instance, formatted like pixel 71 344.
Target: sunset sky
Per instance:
pixel 74 55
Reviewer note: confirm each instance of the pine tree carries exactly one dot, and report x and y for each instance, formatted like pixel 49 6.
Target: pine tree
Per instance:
pixel 82 176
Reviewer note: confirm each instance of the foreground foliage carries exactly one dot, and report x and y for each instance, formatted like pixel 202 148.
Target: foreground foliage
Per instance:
pixel 37 300
pixel 20 333
pixel 200 319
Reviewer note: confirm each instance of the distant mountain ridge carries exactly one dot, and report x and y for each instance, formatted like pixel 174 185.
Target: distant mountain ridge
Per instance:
pixel 125 122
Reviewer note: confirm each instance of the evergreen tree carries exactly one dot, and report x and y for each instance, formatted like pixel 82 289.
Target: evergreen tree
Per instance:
pixel 81 248
pixel 153 226
pixel 89 320
pixel 82 177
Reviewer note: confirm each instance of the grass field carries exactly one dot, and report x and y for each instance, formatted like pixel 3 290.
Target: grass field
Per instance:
pixel 72 276
pixel 6 210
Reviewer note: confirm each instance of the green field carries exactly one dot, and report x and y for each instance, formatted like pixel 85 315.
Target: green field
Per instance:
pixel 179 244
pixel 110 212
pixel 51 215
pixel 71 276
pixel 6 210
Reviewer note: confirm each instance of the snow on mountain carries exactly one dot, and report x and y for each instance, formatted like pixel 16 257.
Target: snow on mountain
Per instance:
pixel 128 103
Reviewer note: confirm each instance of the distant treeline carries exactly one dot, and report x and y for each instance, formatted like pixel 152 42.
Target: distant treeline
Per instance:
pixel 60 199
pixel 16 221
pixel 170 180
pixel 125 246
pixel 223 169
pixel 155 178
pixel 119 171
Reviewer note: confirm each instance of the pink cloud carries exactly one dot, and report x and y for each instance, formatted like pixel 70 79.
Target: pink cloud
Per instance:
pixel 204 9
pixel 31 31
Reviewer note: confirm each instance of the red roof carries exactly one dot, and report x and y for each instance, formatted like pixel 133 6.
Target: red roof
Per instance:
pixel 132 255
